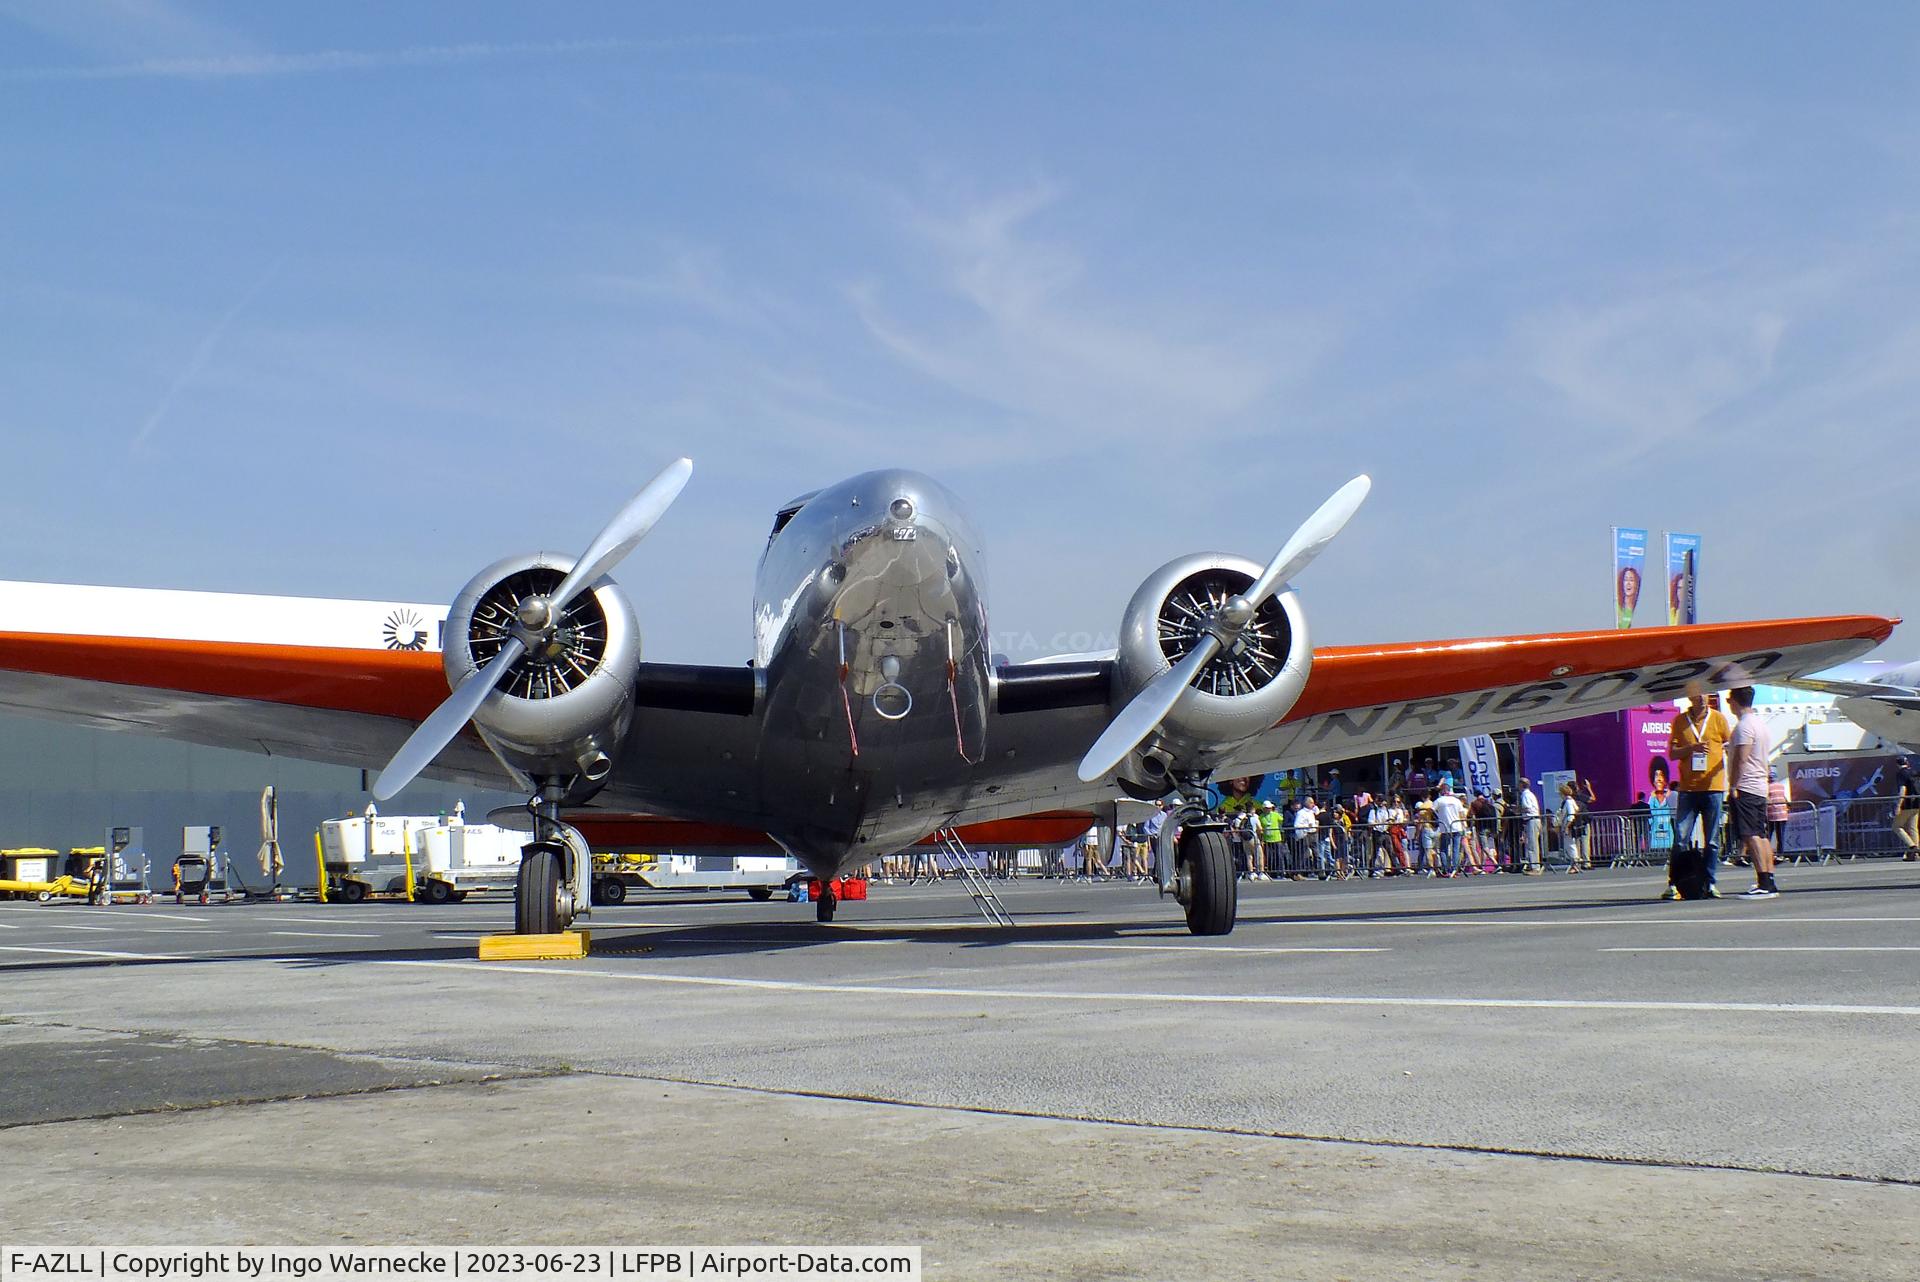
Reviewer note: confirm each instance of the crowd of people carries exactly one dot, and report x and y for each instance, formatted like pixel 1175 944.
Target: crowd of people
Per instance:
pixel 1719 794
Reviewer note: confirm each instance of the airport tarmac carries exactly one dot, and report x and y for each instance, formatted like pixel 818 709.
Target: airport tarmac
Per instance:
pixel 1540 1077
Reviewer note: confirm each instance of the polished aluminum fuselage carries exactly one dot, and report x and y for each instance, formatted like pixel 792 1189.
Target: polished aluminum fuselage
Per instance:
pixel 870 630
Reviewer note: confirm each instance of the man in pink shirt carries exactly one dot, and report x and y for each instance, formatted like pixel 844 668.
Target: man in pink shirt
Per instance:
pixel 1747 755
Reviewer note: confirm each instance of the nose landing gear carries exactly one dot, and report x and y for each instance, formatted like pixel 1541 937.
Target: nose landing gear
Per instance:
pixel 823 907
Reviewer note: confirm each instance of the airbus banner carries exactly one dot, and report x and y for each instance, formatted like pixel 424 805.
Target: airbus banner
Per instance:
pixel 1629 570
pixel 1683 576
pixel 1480 763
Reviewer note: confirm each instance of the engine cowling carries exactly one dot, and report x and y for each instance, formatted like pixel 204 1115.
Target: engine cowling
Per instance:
pixel 1245 690
pixel 563 710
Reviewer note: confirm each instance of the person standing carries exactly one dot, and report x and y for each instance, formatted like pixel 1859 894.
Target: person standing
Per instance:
pixel 1748 753
pixel 1094 866
pixel 1272 834
pixel 1572 828
pixel 1779 807
pixel 1448 810
pixel 1529 829
pixel 1306 839
pixel 1906 807
pixel 1698 745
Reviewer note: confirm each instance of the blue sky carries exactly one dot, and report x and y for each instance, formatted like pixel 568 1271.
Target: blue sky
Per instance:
pixel 352 299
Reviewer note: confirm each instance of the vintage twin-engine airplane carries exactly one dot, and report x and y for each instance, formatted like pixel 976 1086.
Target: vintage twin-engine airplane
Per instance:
pixel 872 713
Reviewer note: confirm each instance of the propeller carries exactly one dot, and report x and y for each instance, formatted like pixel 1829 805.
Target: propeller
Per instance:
pixel 536 619
pixel 1144 713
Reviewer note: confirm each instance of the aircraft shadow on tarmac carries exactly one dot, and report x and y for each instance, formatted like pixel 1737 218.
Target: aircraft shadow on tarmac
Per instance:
pixel 613 940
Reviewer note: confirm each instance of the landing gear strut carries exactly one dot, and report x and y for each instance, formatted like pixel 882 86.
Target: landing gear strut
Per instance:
pixel 823 907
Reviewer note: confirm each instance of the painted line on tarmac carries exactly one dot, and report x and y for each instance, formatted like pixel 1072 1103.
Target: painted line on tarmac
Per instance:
pixel 1763 948
pixel 93 952
pixel 1196 999
pixel 322 934
pixel 1196 948
pixel 1588 921
pixel 63 925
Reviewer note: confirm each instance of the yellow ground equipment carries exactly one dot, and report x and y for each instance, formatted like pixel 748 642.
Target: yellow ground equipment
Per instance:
pixel 615 873
pixel 29 872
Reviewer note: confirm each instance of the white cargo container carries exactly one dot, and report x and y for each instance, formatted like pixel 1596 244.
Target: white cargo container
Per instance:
pixel 452 858
pixel 369 853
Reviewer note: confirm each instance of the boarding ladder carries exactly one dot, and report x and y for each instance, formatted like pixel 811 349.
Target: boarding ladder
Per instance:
pixel 949 848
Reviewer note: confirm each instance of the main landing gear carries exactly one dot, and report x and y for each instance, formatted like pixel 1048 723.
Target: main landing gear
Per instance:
pixel 1193 862
pixel 1207 888
pixel 554 869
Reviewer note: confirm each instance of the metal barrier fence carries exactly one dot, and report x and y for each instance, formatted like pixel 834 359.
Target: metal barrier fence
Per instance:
pixel 1866 828
pixel 1813 832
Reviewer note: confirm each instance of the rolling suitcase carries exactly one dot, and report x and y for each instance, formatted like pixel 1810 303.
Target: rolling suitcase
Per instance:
pixel 1687 871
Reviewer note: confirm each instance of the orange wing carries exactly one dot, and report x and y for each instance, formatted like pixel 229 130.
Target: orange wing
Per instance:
pixel 1367 699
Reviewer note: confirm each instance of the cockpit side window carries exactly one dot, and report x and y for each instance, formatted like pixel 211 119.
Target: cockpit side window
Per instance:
pixel 787 513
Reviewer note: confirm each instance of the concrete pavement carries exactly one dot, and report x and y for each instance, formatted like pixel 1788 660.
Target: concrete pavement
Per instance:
pixel 1145 1090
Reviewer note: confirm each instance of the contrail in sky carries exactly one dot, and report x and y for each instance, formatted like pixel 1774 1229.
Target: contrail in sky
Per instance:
pixel 202 353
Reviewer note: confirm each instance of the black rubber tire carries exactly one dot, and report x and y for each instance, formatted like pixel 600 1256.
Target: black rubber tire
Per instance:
pixel 823 907
pixel 436 892
pixel 459 896
pixel 1213 899
pixel 352 892
pixel 536 895
pixel 759 894
pixel 613 892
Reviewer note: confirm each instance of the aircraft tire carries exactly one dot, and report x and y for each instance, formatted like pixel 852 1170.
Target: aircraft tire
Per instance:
pixel 824 906
pixel 536 895
pixel 1213 898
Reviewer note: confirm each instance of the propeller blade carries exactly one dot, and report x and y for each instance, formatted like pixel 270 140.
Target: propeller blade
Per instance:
pixel 1310 539
pixel 447 720
pixel 626 529
pixel 1148 709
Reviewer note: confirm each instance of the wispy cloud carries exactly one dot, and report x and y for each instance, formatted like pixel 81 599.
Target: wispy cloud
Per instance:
pixel 264 65
pixel 126 29
pixel 1793 346
pixel 698 281
pixel 1036 335
pixel 203 352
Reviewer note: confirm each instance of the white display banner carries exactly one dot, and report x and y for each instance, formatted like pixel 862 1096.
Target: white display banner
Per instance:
pixel 1480 764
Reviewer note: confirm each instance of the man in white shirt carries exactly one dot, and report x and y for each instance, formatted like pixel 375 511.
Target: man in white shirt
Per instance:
pixel 1748 753
pixel 1529 828
pixel 1449 810
pixel 1306 837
